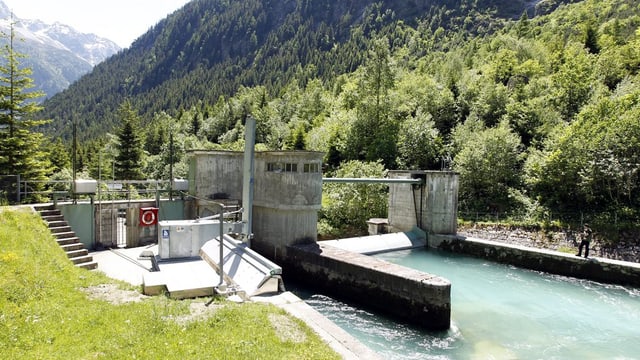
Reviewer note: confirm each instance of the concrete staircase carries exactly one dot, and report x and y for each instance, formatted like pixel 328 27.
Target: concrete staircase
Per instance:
pixel 66 237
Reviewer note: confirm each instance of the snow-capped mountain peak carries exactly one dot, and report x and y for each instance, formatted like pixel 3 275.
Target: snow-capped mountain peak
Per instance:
pixel 57 53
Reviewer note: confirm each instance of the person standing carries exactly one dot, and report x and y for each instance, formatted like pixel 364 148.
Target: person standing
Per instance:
pixel 587 234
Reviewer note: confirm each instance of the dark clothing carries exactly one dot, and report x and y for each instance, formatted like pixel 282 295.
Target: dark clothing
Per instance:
pixel 586 239
pixel 584 243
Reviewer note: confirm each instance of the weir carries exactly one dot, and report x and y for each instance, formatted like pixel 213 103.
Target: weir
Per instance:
pixel 281 194
pixel 415 297
pixel 375 244
pixel 286 198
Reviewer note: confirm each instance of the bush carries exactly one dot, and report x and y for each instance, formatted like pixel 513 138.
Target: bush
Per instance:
pixel 350 205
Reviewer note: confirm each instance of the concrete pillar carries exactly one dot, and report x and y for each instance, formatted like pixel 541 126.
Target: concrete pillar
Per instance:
pixel 432 206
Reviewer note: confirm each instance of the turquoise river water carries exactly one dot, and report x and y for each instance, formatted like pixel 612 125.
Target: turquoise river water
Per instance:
pixel 501 312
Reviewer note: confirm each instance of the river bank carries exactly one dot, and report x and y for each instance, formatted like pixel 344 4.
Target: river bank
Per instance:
pixel 627 247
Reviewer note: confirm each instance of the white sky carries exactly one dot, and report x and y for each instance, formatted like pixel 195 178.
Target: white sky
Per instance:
pixel 120 21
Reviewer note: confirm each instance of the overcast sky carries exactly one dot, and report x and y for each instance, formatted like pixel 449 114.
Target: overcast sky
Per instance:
pixel 121 21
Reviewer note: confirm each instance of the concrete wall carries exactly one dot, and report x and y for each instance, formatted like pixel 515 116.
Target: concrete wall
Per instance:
pixel 215 174
pixel 286 203
pixel 601 270
pixel 433 206
pixel 275 229
pixel 292 190
pixel 413 296
pixel 287 195
pixel 81 217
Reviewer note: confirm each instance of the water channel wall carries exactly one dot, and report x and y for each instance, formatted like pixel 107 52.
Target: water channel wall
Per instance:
pixel 554 262
pixel 410 295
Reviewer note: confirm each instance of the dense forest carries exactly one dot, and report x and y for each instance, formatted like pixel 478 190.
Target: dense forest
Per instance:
pixel 211 48
pixel 538 112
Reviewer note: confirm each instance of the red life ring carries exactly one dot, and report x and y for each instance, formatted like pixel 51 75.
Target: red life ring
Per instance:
pixel 148 217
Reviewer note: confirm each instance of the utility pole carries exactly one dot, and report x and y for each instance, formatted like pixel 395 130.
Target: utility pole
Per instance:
pixel 171 165
pixel 75 148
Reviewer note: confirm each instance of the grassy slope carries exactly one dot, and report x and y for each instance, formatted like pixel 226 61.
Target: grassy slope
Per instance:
pixel 44 314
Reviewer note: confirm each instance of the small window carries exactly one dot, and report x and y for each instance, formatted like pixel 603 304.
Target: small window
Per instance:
pixel 291 167
pixel 274 167
pixel 311 168
pixel 282 167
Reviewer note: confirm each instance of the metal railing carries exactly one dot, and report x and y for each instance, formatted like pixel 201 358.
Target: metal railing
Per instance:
pixel 14 190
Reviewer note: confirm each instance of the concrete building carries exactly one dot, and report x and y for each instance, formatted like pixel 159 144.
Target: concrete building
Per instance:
pixel 287 194
pixel 431 206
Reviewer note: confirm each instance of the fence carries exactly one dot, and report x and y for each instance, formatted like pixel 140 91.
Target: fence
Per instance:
pixel 601 217
pixel 14 190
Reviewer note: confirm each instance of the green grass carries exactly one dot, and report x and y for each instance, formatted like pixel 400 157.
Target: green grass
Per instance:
pixel 45 314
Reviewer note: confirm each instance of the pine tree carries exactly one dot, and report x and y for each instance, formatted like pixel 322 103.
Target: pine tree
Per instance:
pixel 21 152
pixel 128 161
pixel 591 40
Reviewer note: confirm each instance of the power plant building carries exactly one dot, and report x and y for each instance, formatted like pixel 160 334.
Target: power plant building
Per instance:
pixel 287 193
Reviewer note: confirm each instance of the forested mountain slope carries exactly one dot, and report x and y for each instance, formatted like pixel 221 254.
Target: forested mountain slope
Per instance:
pixel 538 114
pixel 210 48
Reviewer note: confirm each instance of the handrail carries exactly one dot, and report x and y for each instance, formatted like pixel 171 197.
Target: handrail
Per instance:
pixel 373 180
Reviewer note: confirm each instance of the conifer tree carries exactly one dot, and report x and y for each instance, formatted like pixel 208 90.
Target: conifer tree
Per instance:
pixel 591 40
pixel 21 152
pixel 128 161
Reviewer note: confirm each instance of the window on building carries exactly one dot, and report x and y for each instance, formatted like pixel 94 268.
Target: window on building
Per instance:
pixel 282 167
pixel 311 168
pixel 275 167
pixel 290 167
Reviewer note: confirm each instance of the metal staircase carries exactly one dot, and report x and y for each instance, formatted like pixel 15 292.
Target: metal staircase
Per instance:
pixel 66 237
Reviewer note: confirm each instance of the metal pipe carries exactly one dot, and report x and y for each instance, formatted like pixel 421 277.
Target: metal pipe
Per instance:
pixel 248 178
pixel 211 217
pixel 372 181
pixel 221 245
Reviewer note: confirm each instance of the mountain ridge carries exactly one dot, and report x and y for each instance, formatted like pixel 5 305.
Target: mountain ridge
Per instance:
pixel 211 48
pixel 57 53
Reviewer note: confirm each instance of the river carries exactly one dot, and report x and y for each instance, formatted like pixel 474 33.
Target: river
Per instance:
pixel 500 312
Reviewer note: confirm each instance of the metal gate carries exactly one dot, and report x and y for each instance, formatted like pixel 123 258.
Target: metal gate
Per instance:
pixel 121 235
pixel 111 227
pixel 117 225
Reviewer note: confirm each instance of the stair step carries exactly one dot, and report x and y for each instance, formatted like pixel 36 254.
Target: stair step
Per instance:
pixel 68 240
pixel 40 208
pixel 64 235
pixel 72 246
pixel 77 253
pixel 50 213
pixel 88 265
pixel 56 222
pixel 50 218
pixel 81 259
pixel 61 230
